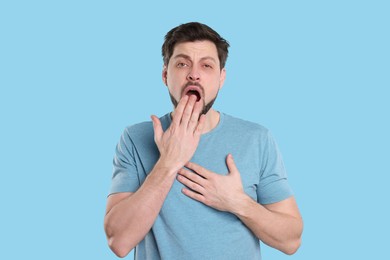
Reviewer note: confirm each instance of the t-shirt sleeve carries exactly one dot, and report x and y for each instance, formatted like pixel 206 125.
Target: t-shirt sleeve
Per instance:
pixel 273 186
pixel 125 174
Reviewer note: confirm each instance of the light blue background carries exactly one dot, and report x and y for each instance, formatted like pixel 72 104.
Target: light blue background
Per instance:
pixel 73 74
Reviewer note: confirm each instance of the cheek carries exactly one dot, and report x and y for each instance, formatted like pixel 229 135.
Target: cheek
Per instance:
pixel 174 87
pixel 216 85
pixel 174 78
pixel 174 84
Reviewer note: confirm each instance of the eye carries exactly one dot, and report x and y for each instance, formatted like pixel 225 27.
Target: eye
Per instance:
pixel 208 66
pixel 181 65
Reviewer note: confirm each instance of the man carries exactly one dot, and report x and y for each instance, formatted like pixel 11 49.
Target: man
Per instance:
pixel 177 192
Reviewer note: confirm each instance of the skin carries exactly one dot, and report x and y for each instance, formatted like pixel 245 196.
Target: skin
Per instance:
pixel 195 62
pixel 130 216
pixel 279 225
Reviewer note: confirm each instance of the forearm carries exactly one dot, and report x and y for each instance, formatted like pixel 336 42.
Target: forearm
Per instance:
pixel 276 229
pixel 128 222
pixel 129 219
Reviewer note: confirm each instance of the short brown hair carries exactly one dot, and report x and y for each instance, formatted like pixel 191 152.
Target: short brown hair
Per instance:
pixel 191 32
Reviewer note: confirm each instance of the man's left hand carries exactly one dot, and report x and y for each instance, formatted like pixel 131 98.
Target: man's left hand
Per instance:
pixel 222 192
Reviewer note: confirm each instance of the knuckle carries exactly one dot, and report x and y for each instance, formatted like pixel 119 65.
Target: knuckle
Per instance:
pixel 196 178
pixel 185 173
pixel 186 113
pixel 172 130
pixel 193 120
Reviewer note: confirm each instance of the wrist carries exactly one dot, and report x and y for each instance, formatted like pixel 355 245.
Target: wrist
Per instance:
pixel 162 175
pixel 242 205
pixel 168 168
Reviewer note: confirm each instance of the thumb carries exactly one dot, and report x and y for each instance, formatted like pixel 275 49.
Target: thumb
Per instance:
pixel 231 164
pixel 158 131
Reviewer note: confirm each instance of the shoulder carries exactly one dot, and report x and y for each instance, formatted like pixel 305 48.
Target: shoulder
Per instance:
pixel 135 134
pixel 144 128
pixel 139 129
pixel 142 133
pixel 245 126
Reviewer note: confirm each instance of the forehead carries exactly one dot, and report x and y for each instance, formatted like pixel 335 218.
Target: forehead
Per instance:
pixel 197 48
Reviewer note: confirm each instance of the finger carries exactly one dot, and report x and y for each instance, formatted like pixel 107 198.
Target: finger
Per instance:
pixel 158 131
pixel 188 110
pixel 193 195
pixel 195 116
pixel 198 169
pixel 192 177
pixel 179 111
pixel 231 164
pixel 190 184
pixel 199 129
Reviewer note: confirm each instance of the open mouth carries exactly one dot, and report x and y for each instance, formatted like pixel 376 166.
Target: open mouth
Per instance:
pixel 195 93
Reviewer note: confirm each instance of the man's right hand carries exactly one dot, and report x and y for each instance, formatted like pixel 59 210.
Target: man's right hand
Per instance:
pixel 130 216
pixel 178 143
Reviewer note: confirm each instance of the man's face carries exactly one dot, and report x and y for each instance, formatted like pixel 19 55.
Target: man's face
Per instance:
pixel 194 69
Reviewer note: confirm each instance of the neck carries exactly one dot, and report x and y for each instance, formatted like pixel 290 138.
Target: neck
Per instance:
pixel 212 120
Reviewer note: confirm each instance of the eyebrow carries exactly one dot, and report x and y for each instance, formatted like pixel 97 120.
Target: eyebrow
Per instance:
pixel 180 55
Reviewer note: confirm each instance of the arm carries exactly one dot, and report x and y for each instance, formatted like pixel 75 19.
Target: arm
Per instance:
pixel 130 216
pixel 279 225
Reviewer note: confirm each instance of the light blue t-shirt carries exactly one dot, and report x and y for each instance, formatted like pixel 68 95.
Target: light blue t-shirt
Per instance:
pixel 188 229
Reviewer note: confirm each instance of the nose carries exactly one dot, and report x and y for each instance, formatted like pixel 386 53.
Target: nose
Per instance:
pixel 193 75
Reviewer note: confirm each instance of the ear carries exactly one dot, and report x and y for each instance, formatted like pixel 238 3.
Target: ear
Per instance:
pixel 222 78
pixel 165 74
